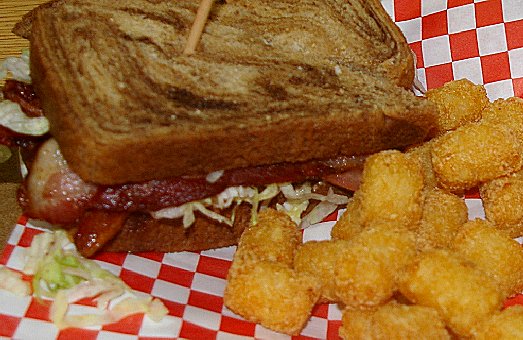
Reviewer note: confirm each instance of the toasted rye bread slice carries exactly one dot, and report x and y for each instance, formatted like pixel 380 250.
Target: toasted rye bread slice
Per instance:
pixel 142 233
pixel 359 32
pixel 270 82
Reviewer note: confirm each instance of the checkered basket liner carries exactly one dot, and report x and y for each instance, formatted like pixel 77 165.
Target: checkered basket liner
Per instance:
pixel 478 40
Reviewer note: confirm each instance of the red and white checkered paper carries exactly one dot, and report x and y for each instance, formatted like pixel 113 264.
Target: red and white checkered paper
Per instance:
pixel 453 39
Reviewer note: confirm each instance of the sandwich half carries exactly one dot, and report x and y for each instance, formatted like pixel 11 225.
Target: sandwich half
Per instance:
pixel 152 149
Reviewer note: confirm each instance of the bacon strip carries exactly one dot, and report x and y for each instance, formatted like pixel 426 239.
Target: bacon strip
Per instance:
pixel 349 180
pixel 55 193
pixel 51 191
pixel 158 194
pixel 23 94
pixel 95 229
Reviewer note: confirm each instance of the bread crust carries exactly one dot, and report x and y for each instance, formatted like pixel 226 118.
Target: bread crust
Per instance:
pixel 120 117
pixel 23 27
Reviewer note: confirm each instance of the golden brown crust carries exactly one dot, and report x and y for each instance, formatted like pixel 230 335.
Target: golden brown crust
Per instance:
pixel 254 93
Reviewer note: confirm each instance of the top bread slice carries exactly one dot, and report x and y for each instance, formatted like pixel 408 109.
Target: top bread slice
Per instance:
pixel 353 31
pixel 271 81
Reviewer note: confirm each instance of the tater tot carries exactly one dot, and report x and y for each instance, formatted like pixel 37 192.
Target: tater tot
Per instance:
pixel 366 274
pixel 272 295
pixel 391 190
pixel 393 321
pixel 507 113
pixel 475 153
pixel 319 258
pixel 423 155
pixel 443 215
pixel 350 223
pixel 462 295
pixel 459 102
pixel 505 325
pixel 502 202
pixel 492 252
pixel 273 238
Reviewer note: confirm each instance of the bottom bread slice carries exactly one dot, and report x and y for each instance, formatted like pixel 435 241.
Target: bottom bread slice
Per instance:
pixel 142 233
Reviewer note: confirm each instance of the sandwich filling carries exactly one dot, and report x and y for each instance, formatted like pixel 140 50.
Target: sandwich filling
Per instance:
pixel 53 192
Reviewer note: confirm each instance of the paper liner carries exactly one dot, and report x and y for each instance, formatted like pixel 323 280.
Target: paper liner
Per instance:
pixel 478 40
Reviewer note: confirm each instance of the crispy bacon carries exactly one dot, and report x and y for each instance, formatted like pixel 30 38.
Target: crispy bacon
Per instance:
pixel 159 194
pixel 95 229
pixel 52 191
pixel 349 180
pixel 55 193
pixel 23 94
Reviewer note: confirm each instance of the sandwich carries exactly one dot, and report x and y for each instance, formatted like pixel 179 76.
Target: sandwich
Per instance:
pixel 151 149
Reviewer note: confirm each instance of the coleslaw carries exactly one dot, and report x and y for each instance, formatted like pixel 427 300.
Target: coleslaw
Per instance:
pixel 61 274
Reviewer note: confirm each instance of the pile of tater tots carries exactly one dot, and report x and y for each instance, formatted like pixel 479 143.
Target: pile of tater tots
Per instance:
pixel 404 261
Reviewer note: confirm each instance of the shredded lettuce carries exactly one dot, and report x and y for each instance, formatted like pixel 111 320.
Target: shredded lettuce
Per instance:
pixel 297 201
pixel 294 209
pixel 12 117
pixel 18 67
pixel 226 199
pixel 214 176
pixel 62 274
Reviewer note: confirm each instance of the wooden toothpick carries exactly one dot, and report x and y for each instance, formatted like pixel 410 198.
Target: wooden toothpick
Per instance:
pixel 197 26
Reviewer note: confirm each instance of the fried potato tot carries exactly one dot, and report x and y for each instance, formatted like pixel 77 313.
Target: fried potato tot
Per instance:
pixel 462 295
pixel 391 190
pixel 493 252
pixel 505 325
pixel 367 272
pixel 459 102
pixel 423 155
pixel 350 223
pixel 507 113
pixel 319 258
pixel 274 237
pixel 502 201
pixel 273 295
pixel 473 154
pixel 443 215
pixel 393 321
